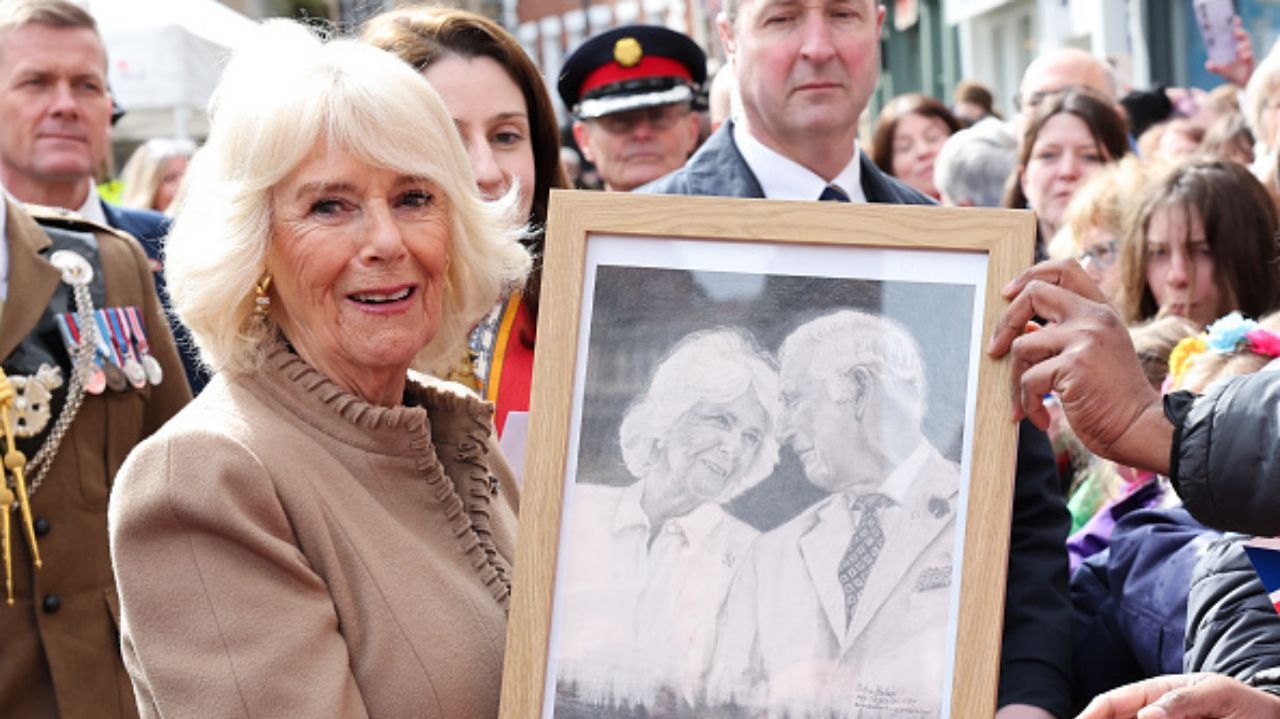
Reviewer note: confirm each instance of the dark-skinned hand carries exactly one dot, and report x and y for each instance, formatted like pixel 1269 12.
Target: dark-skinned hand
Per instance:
pixel 1082 354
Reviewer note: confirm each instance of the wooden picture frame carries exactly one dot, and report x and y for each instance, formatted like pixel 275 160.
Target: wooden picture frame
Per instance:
pixel 626 279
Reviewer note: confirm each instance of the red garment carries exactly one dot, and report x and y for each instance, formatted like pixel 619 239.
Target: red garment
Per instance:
pixel 511 369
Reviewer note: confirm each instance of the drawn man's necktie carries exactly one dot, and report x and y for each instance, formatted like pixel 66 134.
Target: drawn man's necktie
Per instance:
pixel 864 547
pixel 833 193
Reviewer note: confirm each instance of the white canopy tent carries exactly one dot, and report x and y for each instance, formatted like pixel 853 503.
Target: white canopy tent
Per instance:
pixel 164 58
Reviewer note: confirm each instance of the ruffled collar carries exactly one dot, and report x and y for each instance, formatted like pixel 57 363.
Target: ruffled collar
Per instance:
pixel 443 427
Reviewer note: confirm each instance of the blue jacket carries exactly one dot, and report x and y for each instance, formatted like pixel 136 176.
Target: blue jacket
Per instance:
pixel 1129 601
pixel 150 228
pixel 1035 664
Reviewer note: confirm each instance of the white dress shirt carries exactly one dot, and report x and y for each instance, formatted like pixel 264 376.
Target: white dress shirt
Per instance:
pixel 782 178
pixel 639 603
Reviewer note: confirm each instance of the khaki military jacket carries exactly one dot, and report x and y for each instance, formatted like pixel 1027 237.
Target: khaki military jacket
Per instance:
pixel 59 643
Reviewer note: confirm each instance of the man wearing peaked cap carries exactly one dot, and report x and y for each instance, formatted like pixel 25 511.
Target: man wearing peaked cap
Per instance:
pixel 634 91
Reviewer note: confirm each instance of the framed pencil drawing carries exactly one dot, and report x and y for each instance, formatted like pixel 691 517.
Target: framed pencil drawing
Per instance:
pixel 769 466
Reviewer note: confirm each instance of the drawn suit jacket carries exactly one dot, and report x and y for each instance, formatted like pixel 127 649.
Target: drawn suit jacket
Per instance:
pixel 785 615
pixel 1035 661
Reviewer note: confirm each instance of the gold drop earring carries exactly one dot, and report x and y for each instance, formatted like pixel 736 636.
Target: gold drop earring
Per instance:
pixel 261 298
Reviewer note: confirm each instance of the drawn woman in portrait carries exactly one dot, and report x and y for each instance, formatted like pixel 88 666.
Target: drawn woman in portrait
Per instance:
pixel 649 564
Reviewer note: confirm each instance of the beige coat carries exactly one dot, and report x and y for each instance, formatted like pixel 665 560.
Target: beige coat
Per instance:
pixel 59 645
pixel 285 549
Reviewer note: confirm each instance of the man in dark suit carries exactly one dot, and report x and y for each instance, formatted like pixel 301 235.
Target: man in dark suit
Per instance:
pixel 55 125
pixel 804 75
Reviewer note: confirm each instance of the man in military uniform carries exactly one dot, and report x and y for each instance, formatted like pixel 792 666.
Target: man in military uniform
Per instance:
pixel 64 282
pixel 55 121
pixel 634 91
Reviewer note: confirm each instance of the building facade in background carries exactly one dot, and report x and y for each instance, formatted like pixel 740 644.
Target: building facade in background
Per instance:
pixel 928 45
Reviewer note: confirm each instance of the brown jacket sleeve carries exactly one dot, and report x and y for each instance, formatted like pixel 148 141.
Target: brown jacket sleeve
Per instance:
pixel 222 614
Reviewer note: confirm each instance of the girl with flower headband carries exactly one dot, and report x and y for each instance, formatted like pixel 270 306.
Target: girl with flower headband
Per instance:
pixel 1233 345
pixel 1154 579
pixel 1203 244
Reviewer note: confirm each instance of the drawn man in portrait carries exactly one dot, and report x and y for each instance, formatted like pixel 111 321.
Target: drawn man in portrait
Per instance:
pixel 843 610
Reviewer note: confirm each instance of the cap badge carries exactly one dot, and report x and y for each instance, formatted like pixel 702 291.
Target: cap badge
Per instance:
pixel 627 52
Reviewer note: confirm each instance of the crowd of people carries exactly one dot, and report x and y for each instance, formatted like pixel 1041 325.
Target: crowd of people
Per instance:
pixel 257 415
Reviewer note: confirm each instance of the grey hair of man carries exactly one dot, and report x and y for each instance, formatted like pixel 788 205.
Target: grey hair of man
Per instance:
pixel 833 346
pixel 974 163
pixel 15 14
pixel 284 95
pixel 714 365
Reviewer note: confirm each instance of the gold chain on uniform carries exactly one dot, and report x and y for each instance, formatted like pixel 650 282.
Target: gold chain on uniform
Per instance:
pixel 15 462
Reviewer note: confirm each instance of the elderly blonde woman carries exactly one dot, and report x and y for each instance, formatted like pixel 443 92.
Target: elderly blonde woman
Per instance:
pixel 649 564
pixel 323 534
pixel 153 173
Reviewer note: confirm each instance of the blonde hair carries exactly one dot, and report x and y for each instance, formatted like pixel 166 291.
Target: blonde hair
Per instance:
pixel 1154 342
pixel 1105 201
pixel 1263 85
pixel 144 171
pixel 283 92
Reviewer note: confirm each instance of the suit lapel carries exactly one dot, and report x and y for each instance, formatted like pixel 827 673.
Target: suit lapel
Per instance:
pixel 822 547
pixel 873 183
pixel 909 529
pixel 718 169
pixel 32 280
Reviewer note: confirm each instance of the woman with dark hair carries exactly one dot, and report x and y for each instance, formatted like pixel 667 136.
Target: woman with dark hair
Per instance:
pixel 1203 243
pixel 973 102
pixel 1071 136
pixel 911 130
pixel 500 105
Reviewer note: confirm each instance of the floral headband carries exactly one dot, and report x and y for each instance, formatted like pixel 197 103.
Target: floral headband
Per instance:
pixel 1232 333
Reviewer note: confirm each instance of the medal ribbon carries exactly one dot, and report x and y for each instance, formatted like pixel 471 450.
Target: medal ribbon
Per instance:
pixel 139 332
pixel 71 338
pixel 107 348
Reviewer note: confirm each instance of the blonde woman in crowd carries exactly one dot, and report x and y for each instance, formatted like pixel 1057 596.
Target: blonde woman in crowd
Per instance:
pixel 153 172
pixel 1095 222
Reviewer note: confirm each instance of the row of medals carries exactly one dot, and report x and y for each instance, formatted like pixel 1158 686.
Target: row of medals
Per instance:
pixel 123 355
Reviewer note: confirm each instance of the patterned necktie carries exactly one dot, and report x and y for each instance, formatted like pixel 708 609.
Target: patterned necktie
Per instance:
pixel 862 551
pixel 832 193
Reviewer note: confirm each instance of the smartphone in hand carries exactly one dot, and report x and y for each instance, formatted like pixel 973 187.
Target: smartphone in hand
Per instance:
pixel 1213 17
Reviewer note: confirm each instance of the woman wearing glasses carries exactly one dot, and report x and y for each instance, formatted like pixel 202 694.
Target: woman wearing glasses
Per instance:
pixel 1094 223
